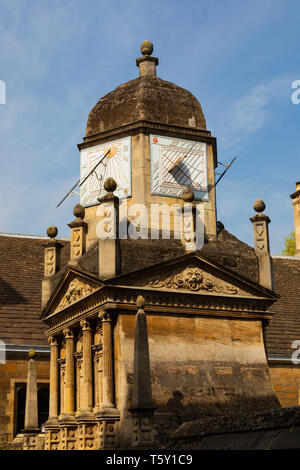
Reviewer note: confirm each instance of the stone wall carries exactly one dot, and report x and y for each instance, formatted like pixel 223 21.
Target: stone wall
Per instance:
pixel 199 367
pixel 286 383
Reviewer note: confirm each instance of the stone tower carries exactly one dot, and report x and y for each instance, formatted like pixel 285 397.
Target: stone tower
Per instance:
pixel 159 146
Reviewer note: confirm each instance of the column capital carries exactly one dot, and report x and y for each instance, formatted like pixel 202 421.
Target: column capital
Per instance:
pixel 105 316
pixel 68 333
pixel 53 341
pixel 85 325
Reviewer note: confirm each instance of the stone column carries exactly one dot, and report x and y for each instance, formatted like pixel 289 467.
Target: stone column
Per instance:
pixel 62 369
pixel 52 430
pixel 107 388
pixel 87 391
pixel 53 404
pixel 261 244
pixel 109 416
pixel 69 405
pixel 97 376
pixel 78 388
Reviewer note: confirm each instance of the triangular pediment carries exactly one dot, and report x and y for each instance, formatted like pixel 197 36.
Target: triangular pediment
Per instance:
pixel 72 288
pixel 195 274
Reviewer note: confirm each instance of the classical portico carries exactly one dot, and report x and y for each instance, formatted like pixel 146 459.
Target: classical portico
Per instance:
pixel 203 321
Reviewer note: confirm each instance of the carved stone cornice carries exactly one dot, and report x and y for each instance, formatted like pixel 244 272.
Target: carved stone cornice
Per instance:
pixel 121 299
pixel 148 127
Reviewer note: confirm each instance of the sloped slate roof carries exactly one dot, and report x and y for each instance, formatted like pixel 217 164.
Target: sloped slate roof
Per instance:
pixel 135 254
pixel 21 272
pixel 265 430
pixel 284 327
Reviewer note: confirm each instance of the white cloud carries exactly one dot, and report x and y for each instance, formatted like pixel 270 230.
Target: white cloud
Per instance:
pixel 253 110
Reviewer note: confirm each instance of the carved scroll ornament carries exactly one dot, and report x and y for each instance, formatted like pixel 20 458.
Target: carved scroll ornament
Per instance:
pixel 195 279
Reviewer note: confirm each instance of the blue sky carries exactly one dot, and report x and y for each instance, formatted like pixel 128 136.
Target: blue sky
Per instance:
pixel 238 58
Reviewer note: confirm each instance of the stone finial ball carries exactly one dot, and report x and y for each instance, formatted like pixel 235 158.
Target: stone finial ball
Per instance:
pixel 259 205
pixel 31 353
pixel 188 195
pixel 52 231
pixel 110 185
pixel 146 48
pixel 140 301
pixel 79 211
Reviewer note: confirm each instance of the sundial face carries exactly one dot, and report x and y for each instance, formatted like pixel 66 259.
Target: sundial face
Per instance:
pixel 117 165
pixel 178 164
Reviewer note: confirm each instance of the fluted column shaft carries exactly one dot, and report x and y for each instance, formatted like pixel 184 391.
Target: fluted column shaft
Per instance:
pixel 87 399
pixel 108 401
pixel 53 404
pixel 69 407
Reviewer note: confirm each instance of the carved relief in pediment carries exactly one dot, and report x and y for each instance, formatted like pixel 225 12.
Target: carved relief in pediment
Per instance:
pixel 195 279
pixel 77 290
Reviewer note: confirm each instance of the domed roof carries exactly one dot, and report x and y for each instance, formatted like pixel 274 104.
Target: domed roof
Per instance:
pixel 147 98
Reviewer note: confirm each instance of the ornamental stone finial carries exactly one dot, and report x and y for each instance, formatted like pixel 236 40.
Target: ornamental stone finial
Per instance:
pixel 52 231
pixel 110 185
pixel 146 48
pixel 188 195
pixel 259 205
pixel 140 302
pixel 79 211
pixel 147 64
pixel 31 353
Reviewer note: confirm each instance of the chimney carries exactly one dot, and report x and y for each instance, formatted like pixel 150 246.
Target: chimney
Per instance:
pixel 261 244
pixel 296 205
